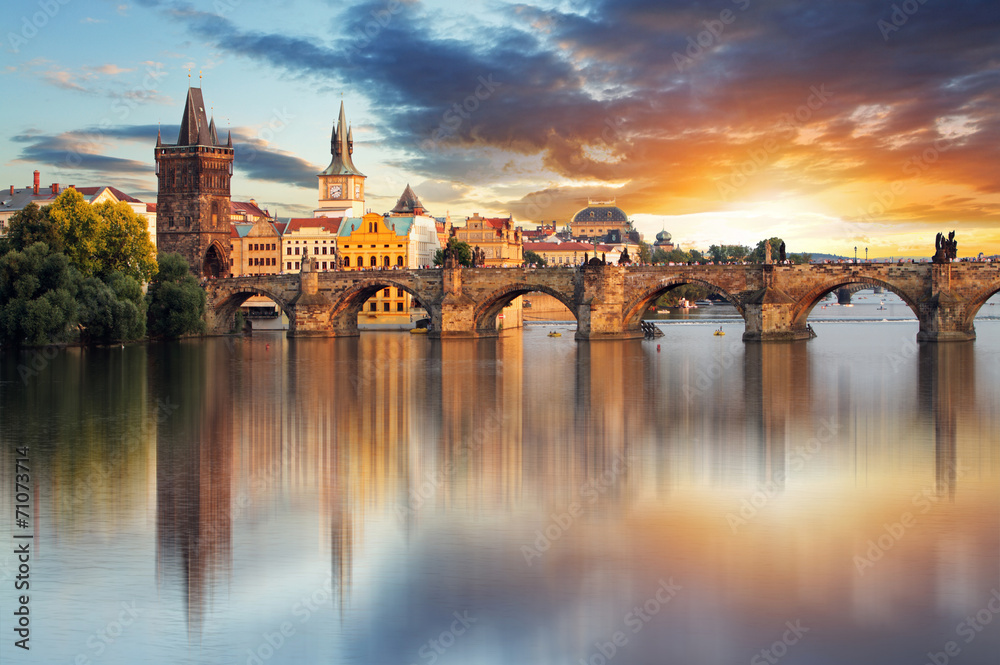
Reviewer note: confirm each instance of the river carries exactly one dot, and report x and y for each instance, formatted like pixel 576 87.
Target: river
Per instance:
pixel 529 499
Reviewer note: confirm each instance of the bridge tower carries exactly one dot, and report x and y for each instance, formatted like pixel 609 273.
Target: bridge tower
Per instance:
pixel 192 202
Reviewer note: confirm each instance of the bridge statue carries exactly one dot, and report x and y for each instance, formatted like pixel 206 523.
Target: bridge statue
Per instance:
pixel 946 248
pixel 767 252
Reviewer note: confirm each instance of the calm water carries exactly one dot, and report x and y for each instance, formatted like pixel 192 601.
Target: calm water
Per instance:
pixel 394 499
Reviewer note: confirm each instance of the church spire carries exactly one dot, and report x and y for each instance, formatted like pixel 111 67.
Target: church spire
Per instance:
pixel 341 147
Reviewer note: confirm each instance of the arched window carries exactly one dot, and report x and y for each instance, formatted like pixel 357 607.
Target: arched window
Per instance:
pixel 385 261
pixel 347 262
pixel 399 261
pixel 374 262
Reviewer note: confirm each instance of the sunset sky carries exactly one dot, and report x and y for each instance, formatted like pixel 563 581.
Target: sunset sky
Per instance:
pixel 832 124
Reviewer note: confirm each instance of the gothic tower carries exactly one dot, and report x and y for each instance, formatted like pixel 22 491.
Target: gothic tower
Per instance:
pixel 192 203
pixel 341 185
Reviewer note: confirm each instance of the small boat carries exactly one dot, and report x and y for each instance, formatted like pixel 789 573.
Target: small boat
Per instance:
pixel 719 333
pixel 418 331
pixel 553 333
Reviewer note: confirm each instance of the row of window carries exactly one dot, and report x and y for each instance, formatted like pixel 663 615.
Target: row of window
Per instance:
pixel 373 307
pixel 265 261
pixel 373 262
pixel 262 246
pixel 298 250
pixel 322 265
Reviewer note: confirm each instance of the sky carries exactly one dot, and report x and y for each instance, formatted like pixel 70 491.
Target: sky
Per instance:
pixel 833 124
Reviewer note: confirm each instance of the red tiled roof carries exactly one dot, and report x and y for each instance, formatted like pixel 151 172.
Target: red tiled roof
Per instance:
pixel 150 207
pixel 233 233
pixel 280 227
pixel 329 224
pixel 246 208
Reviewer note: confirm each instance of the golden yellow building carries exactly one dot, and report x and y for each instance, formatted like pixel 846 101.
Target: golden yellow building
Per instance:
pixel 374 242
pixel 599 219
pixel 496 236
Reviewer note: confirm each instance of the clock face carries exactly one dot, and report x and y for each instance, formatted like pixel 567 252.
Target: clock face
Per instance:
pixel 357 190
pixel 336 191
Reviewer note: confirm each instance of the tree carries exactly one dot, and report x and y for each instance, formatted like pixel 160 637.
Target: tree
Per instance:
pixel 645 252
pixel 176 302
pixel 757 256
pixel 112 310
pixel 38 290
pixel 31 224
pixel 531 257
pixel 804 257
pixel 79 226
pixel 461 251
pixel 124 244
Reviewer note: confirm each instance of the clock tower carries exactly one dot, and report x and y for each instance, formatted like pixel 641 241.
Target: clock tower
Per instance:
pixel 341 184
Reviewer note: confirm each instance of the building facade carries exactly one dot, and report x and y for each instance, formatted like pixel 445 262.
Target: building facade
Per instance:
pixel 599 219
pixel 255 249
pixel 496 236
pixel 193 204
pixel 316 236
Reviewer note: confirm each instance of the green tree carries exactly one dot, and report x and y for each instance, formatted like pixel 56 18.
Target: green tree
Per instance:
pixel 176 303
pixel 645 252
pixel 460 249
pixel 31 224
pixel 79 227
pixel 804 257
pixel 111 310
pixel 757 255
pixel 124 244
pixel 537 259
pixel 38 290
pixel 691 292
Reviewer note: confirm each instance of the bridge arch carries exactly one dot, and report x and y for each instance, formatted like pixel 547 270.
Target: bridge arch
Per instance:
pixel 977 301
pixel 348 303
pixel 226 301
pixel 804 306
pixel 487 309
pixel 637 307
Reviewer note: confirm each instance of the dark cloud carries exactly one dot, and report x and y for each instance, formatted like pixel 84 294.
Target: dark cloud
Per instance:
pixel 670 97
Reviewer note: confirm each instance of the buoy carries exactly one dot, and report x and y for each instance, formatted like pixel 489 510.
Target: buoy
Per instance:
pixel 267 348
pixel 657 348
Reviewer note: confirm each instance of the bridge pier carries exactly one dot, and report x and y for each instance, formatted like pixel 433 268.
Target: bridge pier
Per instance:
pixel 311 311
pixel 943 319
pixel 771 317
pixel 455 315
pixel 843 296
pixel 601 312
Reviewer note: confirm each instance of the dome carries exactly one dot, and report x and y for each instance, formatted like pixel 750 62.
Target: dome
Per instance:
pixel 663 237
pixel 601 213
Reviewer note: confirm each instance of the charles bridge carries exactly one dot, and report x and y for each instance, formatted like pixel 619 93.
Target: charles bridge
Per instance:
pixel 609 301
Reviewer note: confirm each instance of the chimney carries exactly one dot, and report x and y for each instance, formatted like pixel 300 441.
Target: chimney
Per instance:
pixel 55 188
pixel 12 190
pixel 38 178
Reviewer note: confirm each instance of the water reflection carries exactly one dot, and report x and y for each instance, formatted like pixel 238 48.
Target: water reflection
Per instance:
pixel 544 487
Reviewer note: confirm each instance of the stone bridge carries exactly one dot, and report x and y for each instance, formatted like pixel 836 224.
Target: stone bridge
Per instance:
pixel 609 301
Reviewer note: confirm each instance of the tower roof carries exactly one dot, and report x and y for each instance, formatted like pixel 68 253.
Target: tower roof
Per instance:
pixel 195 128
pixel 341 147
pixel 408 203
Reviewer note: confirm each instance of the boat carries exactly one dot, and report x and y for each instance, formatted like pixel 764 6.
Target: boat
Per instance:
pixel 686 304
pixel 719 333
pixel 553 333
pixel 418 331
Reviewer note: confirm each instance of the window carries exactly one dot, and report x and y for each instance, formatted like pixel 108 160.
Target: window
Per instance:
pixel 385 261
pixel 371 307
pixel 324 265
pixel 374 262
pixel 324 249
pixel 296 251
pixel 385 307
pixel 296 265
pixel 386 293
pixel 347 262
pixel 399 292
pixel 399 261
pixel 289 251
pixel 399 307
